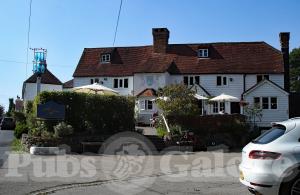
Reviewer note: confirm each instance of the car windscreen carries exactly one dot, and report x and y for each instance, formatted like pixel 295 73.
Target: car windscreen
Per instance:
pixel 270 135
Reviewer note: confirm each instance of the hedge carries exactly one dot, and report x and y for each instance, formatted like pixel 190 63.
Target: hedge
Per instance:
pixel 227 128
pixel 106 114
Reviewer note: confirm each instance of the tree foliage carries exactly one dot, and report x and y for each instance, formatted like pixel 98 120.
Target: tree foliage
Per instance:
pixel 254 114
pixel 11 107
pixel 295 70
pixel 1 111
pixel 179 100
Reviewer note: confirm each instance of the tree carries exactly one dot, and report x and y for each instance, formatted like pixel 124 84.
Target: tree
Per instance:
pixel 1 111
pixel 253 114
pixel 11 107
pixel 295 70
pixel 179 100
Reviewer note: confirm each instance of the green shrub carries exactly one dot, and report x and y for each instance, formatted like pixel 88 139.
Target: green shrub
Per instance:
pixel 20 129
pixel 47 135
pixel 161 132
pixel 19 117
pixel 106 114
pixel 37 131
pixel 63 130
pixel 175 130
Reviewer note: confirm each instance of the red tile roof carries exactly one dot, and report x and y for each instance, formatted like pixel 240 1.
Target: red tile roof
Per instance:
pixel 231 58
pixel 68 84
pixel 47 78
pixel 149 92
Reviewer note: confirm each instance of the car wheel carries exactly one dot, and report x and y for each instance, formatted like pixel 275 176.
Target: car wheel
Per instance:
pixel 291 185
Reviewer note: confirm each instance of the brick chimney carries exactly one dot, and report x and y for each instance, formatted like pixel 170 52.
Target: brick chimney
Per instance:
pixel 160 40
pixel 285 49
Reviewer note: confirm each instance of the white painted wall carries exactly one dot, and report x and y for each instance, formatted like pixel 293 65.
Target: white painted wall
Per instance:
pixel 150 80
pixel 209 83
pixel 30 90
pixel 276 78
pixel 271 115
pixel 107 82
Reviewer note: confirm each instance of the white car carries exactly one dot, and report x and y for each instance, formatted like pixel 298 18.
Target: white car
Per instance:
pixel 271 163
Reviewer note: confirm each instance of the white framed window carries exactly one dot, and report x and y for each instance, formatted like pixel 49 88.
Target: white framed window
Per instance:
pixel 146 104
pixel 273 101
pixel 222 106
pixel 105 58
pixel 203 53
pixel 149 105
pixel 120 83
pixel 266 103
pixel 261 77
pixel 215 107
pixel 191 80
pixel 221 81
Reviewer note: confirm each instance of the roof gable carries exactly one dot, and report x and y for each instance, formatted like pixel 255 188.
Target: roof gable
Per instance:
pixel 265 81
pixel 68 84
pixel 149 92
pixel 46 78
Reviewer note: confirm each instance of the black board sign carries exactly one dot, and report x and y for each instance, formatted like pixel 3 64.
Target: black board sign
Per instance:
pixel 51 111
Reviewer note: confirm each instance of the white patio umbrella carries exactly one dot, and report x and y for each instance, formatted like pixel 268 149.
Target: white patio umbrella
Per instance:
pixel 200 97
pixel 225 98
pixel 96 89
pixel 161 98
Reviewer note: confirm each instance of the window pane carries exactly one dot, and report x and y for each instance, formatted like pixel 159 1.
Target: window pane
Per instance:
pixel 115 83
pixel 197 80
pixel 219 80
pixel 222 106
pixel 224 80
pixel 125 83
pixel 186 80
pixel 121 83
pixel 149 106
pixel 96 80
pixel 257 102
pixel 205 51
pixel 258 78
pixel 191 80
pixel 92 81
pixel 273 103
pixel 265 103
pixel 200 53
pixel 266 77
pixel 215 107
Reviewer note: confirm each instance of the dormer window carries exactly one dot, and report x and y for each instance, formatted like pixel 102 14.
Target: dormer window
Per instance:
pixel 203 53
pixel 105 58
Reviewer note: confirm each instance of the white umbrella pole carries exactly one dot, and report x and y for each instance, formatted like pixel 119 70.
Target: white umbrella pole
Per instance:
pixel 168 129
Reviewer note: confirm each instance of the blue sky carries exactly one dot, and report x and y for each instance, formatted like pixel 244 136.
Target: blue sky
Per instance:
pixel 65 27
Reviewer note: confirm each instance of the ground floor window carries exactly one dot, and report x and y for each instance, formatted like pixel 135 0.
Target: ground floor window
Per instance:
pixel 265 102
pixel 219 107
pixel 215 107
pixel 146 105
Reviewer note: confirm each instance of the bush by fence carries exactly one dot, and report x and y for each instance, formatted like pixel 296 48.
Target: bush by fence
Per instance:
pixel 106 114
pixel 229 129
